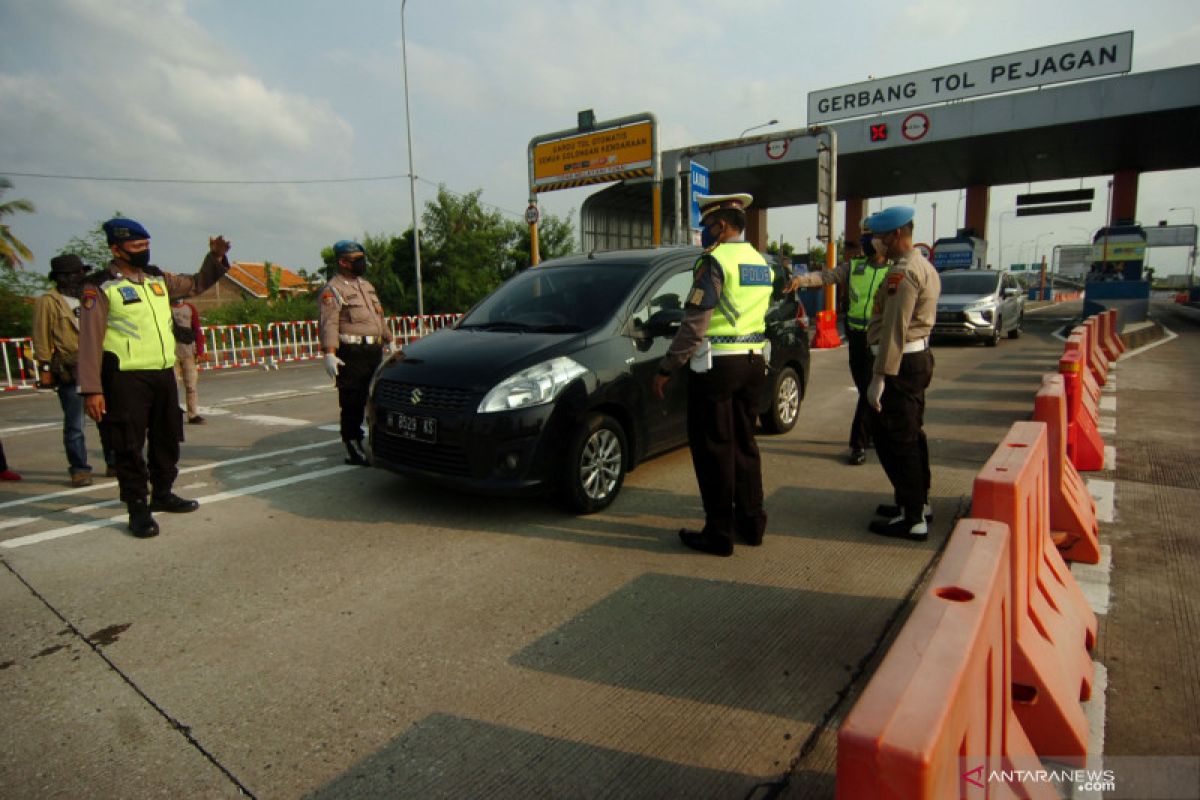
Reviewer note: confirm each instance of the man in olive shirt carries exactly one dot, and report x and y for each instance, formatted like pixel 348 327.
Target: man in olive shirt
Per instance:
pixel 354 336
pixel 126 365
pixel 905 311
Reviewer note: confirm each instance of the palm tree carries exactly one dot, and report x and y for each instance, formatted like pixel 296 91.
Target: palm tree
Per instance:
pixel 13 251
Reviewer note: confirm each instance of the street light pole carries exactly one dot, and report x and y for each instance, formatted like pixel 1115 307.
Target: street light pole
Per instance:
pixel 756 127
pixel 412 178
pixel 1001 226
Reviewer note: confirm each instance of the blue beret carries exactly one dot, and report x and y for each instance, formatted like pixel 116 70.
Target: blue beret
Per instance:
pixel 120 229
pixel 890 219
pixel 346 247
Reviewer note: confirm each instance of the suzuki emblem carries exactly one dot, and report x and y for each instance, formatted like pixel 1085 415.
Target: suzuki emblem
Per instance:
pixel 415 397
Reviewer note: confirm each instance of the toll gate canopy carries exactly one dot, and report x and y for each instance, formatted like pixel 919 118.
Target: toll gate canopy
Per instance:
pixel 1140 122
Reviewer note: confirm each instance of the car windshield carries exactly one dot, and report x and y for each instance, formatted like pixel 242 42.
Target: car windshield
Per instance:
pixel 556 299
pixel 969 282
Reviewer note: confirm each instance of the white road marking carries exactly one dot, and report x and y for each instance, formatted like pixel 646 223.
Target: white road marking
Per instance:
pixel 253 473
pixel 198 468
pixel 263 419
pixel 31 427
pixel 219 497
pixel 1094 580
pixel 1103 492
pixel 1106 425
pixel 1108 403
pixel 17 522
pixel 1110 458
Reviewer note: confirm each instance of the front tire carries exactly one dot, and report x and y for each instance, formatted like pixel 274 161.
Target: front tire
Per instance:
pixel 784 410
pixel 994 339
pixel 594 465
pixel 1015 333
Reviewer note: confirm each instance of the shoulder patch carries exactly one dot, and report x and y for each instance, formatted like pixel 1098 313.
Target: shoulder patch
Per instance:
pixel 328 298
pixel 894 279
pixel 90 293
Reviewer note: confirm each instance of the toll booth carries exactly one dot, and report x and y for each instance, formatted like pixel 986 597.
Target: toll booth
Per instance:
pixel 1115 279
pixel 963 251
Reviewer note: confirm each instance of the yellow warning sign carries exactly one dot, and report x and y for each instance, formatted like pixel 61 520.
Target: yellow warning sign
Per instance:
pixel 594 157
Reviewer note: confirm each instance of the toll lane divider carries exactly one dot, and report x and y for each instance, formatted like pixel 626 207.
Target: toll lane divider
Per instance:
pixel 1073 523
pixel 1053 627
pixel 1085 448
pixel 937 717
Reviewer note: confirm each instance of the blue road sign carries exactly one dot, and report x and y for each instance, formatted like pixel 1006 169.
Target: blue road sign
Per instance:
pixel 699 185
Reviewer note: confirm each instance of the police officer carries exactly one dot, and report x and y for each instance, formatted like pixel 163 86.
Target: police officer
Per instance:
pixel 126 365
pixel 354 337
pixel 56 349
pixel 903 317
pixel 722 339
pixel 862 274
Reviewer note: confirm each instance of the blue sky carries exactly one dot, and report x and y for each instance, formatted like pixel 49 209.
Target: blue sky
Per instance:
pixel 257 90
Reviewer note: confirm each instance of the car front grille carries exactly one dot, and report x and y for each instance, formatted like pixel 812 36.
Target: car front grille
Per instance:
pixel 443 458
pixel 951 316
pixel 416 397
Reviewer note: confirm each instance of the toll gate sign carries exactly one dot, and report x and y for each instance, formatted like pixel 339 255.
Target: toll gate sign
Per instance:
pixel 599 156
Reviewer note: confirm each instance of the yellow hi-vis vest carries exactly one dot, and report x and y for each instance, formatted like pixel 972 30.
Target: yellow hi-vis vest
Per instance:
pixel 865 280
pixel 139 323
pixel 737 321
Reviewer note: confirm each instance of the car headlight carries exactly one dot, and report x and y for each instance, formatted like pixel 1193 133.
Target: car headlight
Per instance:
pixel 534 386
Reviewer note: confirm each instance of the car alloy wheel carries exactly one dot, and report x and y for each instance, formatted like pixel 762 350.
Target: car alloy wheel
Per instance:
pixel 1015 333
pixel 994 339
pixel 785 403
pixel 595 466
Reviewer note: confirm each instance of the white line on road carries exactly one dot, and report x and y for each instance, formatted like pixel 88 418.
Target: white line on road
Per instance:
pixel 264 419
pixel 32 427
pixel 16 523
pixel 1103 492
pixel 198 468
pixel 1110 458
pixel 1108 403
pixel 71 530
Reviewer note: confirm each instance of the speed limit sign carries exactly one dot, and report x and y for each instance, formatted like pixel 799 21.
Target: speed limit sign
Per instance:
pixel 531 215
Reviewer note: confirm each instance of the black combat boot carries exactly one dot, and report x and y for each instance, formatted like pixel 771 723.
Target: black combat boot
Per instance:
pixel 141 521
pixel 355 453
pixel 173 504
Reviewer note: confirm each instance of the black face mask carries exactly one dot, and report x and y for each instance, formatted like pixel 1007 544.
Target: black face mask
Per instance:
pixel 140 260
pixel 70 285
pixel 358 266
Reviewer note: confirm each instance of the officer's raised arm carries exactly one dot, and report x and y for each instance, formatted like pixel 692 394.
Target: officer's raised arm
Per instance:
pixel 215 264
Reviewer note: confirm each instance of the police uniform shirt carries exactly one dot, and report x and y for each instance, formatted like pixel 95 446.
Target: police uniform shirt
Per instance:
pixel 707 284
pixel 93 314
pixel 905 310
pixel 350 307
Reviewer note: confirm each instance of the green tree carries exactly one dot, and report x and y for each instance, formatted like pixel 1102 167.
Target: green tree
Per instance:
pixel 271 274
pixel 463 251
pixel 556 237
pixel 92 246
pixel 13 252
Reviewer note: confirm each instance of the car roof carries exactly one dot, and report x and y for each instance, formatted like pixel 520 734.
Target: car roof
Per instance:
pixel 649 256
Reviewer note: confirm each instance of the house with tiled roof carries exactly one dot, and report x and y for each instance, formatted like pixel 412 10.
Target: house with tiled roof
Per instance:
pixel 249 279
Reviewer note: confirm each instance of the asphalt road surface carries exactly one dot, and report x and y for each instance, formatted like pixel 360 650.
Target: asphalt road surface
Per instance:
pixel 317 629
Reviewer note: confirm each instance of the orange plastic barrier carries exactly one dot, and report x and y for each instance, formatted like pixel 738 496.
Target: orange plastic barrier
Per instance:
pixel 1085 448
pixel 1053 627
pixel 1073 523
pixel 827 335
pixel 937 717
pixel 1111 338
pixel 1097 360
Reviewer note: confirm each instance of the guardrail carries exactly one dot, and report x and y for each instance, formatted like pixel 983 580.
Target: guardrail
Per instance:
pixel 232 346
pixel 19 369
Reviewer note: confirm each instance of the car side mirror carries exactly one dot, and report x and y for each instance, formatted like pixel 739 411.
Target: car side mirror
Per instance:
pixel 1013 292
pixel 664 322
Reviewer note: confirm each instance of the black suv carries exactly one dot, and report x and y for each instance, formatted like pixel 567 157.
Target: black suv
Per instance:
pixel 545 385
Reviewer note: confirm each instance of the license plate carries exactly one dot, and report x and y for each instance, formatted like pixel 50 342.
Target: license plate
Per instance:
pixel 406 426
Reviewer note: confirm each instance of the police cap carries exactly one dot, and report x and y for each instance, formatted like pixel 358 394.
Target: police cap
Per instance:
pixel 891 219
pixel 714 202
pixel 346 247
pixel 120 229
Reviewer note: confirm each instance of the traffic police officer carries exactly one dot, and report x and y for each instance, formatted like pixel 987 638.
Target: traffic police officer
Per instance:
pixel 904 314
pixel 862 274
pixel 126 365
pixel 722 336
pixel 353 336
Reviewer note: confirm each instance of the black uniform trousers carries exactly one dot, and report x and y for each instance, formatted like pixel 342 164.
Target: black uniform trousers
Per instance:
pixel 899 430
pixel 142 408
pixel 722 409
pixel 353 385
pixel 862 366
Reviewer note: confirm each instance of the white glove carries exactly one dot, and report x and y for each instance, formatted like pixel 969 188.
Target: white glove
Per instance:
pixel 875 393
pixel 332 362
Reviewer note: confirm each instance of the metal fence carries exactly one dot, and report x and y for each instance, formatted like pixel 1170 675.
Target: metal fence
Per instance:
pixel 231 346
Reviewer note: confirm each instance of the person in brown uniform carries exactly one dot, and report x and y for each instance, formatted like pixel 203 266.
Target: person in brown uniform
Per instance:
pixel 903 317
pixel 354 336
pixel 126 365
pixel 189 352
pixel 56 349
